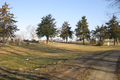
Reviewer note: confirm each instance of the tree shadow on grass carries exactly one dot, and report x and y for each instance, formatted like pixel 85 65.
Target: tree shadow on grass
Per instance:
pixel 77 43
pixel 7 75
pixel 48 49
pixel 11 52
pixel 18 50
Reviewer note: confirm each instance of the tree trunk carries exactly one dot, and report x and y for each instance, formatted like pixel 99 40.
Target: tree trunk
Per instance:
pixel 66 40
pixel 83 42
pixel 3 40
pixel 7 40
pixel 114 41
pixel 4 34
pixel 100 38
pixel 117 41
pixel 47 39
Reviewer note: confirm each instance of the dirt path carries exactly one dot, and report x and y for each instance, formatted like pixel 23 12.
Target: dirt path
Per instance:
pixel 98 67
pixel 105 69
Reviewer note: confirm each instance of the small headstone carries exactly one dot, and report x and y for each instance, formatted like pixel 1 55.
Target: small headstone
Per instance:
pixel 7 42
pixel 22 41
pixel 44 42
pixel 108 43
pixel 11 40
pixel 28 43
pixel 15 40
pixel 19 43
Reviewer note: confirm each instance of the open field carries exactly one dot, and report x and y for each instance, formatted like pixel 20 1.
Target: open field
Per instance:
pixel 41 58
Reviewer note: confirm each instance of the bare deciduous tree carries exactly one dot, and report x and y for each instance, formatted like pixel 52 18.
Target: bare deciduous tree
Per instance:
pixel 115 3
pixel 23 35
pixel 17 36
pixel 32 31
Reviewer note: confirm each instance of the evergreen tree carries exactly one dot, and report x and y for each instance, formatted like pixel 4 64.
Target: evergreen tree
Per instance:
pixel 100 33
pixel 113 29
pixel 82 30
pixel 47 27
pixel 66 32
pixel 7 27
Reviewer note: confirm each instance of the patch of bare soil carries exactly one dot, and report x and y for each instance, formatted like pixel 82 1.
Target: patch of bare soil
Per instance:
pixel 105 69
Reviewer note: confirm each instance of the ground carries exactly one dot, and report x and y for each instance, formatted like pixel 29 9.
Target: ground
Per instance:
pixel 57 61
pixel 97 67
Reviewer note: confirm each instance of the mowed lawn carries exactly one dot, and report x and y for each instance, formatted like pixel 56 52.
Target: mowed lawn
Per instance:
pixel 41 58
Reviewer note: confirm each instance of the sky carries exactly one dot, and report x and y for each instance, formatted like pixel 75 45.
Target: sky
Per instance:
pixel 30 12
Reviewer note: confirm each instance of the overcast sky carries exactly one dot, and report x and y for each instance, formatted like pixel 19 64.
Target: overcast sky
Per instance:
pixel 30 12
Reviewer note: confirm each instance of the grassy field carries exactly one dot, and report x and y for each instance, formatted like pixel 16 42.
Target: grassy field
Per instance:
pixel 41 58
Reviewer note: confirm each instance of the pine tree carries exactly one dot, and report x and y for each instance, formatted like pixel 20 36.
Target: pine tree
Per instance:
pixel 82 30
pixel 66 32
pixel 113 29
pixel 47 27
pixel 7 27
pixel 100 33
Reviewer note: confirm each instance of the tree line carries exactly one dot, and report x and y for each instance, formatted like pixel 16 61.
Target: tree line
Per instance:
pixel 110 31
pixel 47 27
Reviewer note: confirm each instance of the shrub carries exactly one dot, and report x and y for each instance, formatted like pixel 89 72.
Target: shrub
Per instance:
pixel 92 41
pixel 100 43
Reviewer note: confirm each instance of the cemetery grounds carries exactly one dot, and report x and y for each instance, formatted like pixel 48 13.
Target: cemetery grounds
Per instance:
pixel 40 61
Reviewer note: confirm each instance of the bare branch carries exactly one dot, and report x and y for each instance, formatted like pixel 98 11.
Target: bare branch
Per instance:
pixel 32 31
